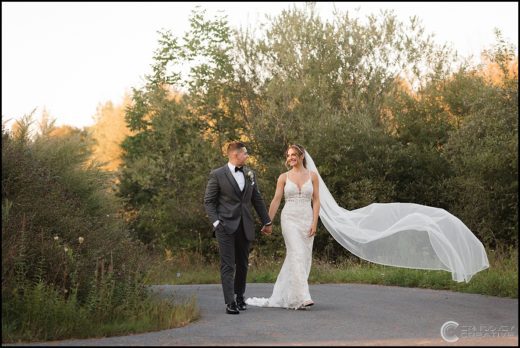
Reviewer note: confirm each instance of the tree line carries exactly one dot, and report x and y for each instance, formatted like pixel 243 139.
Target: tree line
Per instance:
pixel 388 115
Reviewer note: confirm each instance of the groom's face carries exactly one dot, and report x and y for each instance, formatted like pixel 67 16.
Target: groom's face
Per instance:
pixel 241 156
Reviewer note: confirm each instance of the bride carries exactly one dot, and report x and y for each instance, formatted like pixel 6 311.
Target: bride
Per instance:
pixel 394 234
pixel 299 220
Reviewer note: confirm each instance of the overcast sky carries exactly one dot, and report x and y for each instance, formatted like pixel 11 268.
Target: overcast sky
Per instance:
pixel 70 57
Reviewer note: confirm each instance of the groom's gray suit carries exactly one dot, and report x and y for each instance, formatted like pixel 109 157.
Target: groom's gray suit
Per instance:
pixel 225 202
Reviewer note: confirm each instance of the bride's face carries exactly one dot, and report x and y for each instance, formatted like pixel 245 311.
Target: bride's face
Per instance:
pixel 292 158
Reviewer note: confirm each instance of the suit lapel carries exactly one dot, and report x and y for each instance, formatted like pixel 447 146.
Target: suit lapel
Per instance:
pixel 246 183
pixel 232 181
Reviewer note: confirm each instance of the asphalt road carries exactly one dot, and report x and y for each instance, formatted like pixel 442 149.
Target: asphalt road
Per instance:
pixel 344 314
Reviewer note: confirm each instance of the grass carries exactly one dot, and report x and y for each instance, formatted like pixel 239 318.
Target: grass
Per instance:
pixel 40 313
pixel 500 279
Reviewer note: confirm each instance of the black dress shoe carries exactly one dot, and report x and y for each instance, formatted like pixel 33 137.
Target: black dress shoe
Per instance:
pixel 241 304
pixel 232 308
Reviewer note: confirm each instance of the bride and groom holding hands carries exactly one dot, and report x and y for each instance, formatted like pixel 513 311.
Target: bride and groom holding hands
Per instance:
pixel 231 193
pixel 400 234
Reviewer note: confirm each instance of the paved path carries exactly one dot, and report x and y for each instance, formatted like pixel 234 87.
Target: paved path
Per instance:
pixel 344 314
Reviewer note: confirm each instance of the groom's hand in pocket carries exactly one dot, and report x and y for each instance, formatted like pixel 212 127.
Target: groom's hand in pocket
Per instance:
pixel 219 228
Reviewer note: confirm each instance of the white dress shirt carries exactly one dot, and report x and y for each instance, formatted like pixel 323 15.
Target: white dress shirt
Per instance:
pixel 238 175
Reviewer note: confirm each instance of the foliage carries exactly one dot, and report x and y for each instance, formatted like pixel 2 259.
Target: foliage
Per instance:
pixel 483 153
pixel 383 109
pixel 334 87
pixel 167 160
pixel 501 279
pixel 55 198
pixel 66 256
pixel 108 131
pixel 42 313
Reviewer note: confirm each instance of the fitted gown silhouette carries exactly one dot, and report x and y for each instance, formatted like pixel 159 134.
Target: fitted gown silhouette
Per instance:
pixel 291 289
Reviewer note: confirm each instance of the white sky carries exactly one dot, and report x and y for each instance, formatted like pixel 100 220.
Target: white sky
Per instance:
pixel 70 57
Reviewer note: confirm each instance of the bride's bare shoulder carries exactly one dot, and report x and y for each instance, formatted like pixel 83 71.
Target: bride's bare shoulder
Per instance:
pixel 283 177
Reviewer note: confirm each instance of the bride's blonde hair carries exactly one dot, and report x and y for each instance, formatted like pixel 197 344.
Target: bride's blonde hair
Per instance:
pixel 301 152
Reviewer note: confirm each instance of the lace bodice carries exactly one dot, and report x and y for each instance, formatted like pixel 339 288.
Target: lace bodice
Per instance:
pixel 295 194
pixel 291 289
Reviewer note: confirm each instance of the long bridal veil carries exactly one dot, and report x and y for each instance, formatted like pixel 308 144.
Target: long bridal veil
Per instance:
pixel 403 235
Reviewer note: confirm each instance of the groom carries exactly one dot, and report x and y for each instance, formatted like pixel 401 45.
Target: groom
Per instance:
pixel 230 192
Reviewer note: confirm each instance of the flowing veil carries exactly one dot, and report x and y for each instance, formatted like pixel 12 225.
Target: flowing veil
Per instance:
pixel 403 235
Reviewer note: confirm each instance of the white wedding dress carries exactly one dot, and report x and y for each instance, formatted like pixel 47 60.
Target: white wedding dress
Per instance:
pixel 402 234
pixel 291 289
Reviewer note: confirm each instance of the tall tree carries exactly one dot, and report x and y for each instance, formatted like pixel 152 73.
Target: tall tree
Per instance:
pixel 483 151
pixel 167 159
pixel 108 132
pixel 328 86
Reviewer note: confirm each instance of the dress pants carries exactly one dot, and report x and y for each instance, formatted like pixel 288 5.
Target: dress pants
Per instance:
pixel 234 260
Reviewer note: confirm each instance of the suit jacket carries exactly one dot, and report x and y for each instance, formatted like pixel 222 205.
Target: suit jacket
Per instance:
pixel 224 201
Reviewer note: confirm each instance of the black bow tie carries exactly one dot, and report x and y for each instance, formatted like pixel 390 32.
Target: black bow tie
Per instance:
pixel 239 169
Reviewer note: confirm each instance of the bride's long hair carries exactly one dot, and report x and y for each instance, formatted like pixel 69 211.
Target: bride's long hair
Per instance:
pixel 301 153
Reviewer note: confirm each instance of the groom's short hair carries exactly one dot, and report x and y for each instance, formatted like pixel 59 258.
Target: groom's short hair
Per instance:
pixel 236 145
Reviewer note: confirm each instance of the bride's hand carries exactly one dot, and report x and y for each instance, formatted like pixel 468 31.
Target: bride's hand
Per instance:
pixel 312 231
